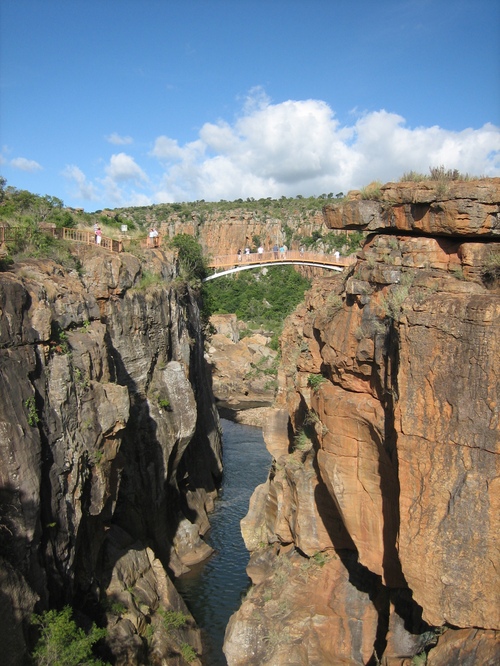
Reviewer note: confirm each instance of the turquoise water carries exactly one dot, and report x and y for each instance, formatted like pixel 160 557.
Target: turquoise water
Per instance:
pixel 213 589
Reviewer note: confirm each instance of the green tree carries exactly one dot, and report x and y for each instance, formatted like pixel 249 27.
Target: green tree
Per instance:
pixel 262 297
pixel 191 261
pixel 62 642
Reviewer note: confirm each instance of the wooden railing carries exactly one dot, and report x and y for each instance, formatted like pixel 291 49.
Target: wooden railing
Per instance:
pixel 75 235
pixel 88 237
pixel 223 261
pixel 290 256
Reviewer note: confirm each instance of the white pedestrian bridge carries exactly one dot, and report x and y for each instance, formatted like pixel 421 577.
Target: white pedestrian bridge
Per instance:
pixel 233 263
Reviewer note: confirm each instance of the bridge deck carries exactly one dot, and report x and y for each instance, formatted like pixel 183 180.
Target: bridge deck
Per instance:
pixel 290 256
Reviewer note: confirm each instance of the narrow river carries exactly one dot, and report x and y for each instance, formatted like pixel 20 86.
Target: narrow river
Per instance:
pixel 212 590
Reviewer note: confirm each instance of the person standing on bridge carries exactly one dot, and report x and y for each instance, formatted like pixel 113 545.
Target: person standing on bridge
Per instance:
pixel 275 251
pixel 239 255
pixel 260 252
pixel 98 235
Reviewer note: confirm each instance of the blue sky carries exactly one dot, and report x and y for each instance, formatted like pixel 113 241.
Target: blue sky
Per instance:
pixel 107 103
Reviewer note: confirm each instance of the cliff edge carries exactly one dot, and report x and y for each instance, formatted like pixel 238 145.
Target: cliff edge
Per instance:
pixel 110 450
pixel 375 539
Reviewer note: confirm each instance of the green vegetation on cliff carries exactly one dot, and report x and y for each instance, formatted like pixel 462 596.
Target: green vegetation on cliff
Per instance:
pixel 260 298
pixel 62 642
pixel 192 263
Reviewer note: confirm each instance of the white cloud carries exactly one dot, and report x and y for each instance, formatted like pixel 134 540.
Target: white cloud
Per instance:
pixel 290 148
pixel 25 165
pixel 118 140
pixel 122 167
pixel 299 147
pixel 85 189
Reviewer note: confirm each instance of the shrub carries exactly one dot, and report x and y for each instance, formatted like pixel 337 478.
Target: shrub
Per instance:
pixel 173 619
pixel 315 381
pixel 392 303
pixel 188 653
pixel 192 263
pixel 33 417
pixel 62 642
pixel 163 403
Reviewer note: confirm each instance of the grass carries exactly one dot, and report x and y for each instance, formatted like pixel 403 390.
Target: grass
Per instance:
pixel 149 279
pixel 301 441
pixel 438 174
pixel 372 191
pixel 491 271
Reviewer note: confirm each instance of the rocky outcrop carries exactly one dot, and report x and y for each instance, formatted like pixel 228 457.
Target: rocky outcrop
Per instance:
pixel 243 370
pixel 375 538
pixel 454 209
pixel 110 448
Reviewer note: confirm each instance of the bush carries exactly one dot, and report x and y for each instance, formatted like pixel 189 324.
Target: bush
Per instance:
pixel 315 381
pixel 173 619
pixel 190 255
pixel 188 653
pixel 63 643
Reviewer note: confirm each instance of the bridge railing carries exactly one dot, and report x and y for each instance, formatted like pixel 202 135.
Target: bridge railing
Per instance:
pixel 88 237
pixel 230 260
pixel 75 235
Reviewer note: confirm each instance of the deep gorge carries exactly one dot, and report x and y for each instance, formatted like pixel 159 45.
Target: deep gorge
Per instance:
pixel 374 538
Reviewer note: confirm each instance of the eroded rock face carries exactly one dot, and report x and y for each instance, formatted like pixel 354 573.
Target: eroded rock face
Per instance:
pixel 386 440
pixel 109 441
pixel 451 209
pixel 243 371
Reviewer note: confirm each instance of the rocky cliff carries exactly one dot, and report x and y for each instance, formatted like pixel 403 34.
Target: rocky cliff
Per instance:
pixel 376 537
pixel 243 371
pixel 110 450
pixel 224 231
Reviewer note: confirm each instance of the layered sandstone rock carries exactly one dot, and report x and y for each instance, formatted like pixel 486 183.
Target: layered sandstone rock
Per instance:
pixel 430 207
pixel 388 475
pixel 109 442
pixel 223 233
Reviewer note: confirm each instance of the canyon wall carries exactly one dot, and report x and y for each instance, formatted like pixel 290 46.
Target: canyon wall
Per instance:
pixel 110 450
pixel 224 232
pixel 375 539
